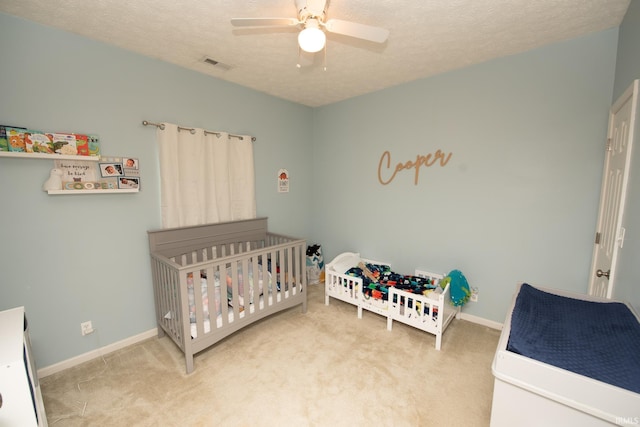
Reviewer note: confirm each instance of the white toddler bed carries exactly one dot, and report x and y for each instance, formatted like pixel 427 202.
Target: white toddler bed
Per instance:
pixel 565 359
pixel 429 311
pixel 212 280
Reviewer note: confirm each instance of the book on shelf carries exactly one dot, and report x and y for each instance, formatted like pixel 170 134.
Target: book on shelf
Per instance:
pixel 4 140
pixel 24 140
pixel 15 138
pixel 38 142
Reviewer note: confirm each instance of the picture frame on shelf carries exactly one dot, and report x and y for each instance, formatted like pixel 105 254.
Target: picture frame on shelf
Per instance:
pixel 111 169
pixel 130 163
pixel 77 170
pixel 131 167
pixel 128 183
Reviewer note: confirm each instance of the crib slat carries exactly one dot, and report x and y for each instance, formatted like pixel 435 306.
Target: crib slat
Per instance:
pixel 233 265
pixel 243 276
pixel 289 271
pixel 260 282
pixel 172 297
pixel 213 296
pixel 169 290
pixel 277 271
pixel 224 300
pixel 282 272
pixel 196 283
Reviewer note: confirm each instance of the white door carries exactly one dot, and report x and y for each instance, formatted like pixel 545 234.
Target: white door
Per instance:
pixel 610 231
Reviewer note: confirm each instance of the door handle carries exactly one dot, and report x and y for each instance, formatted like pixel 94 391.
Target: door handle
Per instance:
pixel 601 273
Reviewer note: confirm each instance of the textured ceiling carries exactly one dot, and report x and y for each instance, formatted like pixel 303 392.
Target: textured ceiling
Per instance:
pixel 427 37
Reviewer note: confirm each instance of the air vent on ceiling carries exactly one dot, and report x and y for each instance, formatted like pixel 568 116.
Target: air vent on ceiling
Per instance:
pixel 219 65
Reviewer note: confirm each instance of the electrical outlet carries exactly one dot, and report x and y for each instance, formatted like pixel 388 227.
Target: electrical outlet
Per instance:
pixel 86 328
pixel 474 295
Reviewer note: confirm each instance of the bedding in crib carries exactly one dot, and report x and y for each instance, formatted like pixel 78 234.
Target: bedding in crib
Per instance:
pixel 228 283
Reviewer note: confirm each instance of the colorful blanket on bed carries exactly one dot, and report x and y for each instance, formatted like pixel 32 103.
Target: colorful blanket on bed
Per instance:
pixel 600 340
pixel 377 278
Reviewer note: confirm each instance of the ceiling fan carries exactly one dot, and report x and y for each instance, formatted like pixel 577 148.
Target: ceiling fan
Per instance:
pixel 312 18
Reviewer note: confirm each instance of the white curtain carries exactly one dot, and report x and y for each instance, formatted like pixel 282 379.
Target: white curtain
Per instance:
pixel 205 177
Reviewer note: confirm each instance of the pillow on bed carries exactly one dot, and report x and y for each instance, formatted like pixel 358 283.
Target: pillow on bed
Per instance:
pixel 343 263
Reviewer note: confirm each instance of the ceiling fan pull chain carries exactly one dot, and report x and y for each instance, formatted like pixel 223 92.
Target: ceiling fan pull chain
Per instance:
pixel 324 68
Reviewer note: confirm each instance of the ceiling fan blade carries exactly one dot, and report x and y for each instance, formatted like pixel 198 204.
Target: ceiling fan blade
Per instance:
pixel 263 22
pixel 361 31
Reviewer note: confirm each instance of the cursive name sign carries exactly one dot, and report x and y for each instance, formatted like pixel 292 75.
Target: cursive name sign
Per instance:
pixel 426 161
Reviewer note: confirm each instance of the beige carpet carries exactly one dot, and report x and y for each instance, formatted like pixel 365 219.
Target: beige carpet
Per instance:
pixel 322 368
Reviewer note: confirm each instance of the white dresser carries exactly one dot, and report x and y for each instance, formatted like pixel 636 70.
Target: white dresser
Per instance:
pixel 20 397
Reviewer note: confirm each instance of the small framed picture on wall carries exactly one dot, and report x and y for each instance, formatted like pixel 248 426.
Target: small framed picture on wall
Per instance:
pixel 108 170
pixel 131 166
pixel 125 182
pixel 130 163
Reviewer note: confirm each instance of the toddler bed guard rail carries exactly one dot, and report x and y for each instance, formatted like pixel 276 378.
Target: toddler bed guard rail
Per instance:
pixel 430 310
pixel 212 280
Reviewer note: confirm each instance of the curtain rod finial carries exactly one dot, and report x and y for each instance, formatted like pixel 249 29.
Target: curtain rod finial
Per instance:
pixel 158 125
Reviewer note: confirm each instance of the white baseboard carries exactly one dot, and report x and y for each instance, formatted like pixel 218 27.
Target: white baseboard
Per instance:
pixel 481 321
pixel 65 364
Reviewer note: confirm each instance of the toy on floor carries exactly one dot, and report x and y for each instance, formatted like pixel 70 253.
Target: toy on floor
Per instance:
pixel 315 264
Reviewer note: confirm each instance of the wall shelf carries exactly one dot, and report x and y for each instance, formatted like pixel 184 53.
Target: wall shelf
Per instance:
pixel 81 170
pixel 114 191
pixel 44 156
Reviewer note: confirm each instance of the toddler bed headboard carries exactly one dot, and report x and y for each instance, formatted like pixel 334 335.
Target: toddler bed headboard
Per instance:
pixel 170 242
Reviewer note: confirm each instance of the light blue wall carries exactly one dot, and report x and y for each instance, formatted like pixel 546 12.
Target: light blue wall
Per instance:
pixel 517 201
pixel 70 259
pixel 627 285
pixel 628 58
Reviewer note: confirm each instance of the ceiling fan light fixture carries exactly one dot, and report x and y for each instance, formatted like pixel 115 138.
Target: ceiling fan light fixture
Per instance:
pixel 312 20
pixel 312 39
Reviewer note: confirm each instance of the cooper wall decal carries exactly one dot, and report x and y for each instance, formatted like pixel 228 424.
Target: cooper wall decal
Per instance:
pixel 427 161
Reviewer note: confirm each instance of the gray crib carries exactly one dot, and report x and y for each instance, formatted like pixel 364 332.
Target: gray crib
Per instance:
pixel 212 280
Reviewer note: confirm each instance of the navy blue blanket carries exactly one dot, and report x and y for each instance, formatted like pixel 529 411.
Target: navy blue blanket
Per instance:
pixel 600 340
